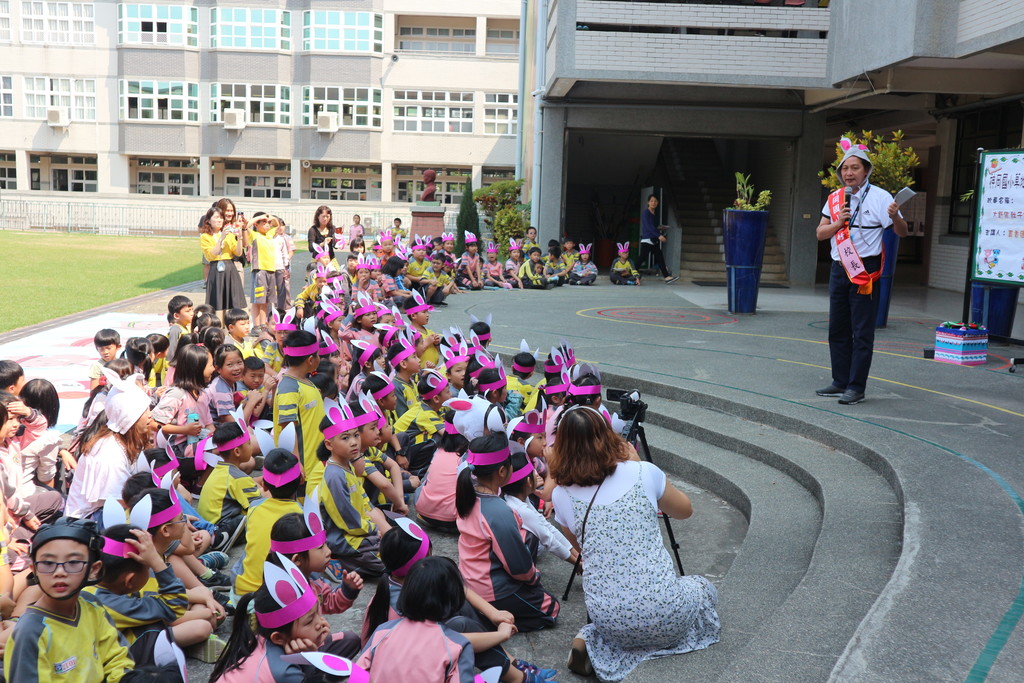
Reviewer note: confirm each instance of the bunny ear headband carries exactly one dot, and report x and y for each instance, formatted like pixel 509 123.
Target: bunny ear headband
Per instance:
pixel 290 591
pixel 325 344
pixel 559 386
pixel 363 305
pixel 363 351
pixel 286 441
pixel 623 247
pixel 389 387
pixel 421 304
pixel 585 248
pixel 335 665
pixel 126 401
pixel 113 514
pixel 471 238
pixel 329 312
pixel 142 514
pixel 487 321
pixel 341 419
pixel 455 353
pixel 492 248
pixel 172 459
pixel 499 383
pixel 852 150
pixel 410 527
pixel 532 422
pixel 556 360
pixel 385 235
pixel 317 534
pixel 391 333
pixel 206 451
pixel 437 383
pixel 319 250
pixel 371 410
pixel 514 244
pixel 286 323
pixel 407 350
pixel 484 458
pixel 447 236
pixel 483 359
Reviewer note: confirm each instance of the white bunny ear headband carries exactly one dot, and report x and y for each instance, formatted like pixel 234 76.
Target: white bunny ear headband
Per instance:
pixel 314 524
pixel 167 653
pixel 142 514
pixel 285 441
pixel 499 383
pixel 410 527
pixel 339 666
pixel 290 591
pixel 114 514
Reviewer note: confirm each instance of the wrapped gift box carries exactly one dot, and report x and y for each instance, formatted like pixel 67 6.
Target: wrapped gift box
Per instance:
pixel 961 346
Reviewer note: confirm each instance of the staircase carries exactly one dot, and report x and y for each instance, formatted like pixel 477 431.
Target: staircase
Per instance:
pixel 699 187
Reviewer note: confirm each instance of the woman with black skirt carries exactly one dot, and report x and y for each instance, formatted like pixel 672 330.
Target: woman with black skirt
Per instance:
pixel 322 230
pixel 223 285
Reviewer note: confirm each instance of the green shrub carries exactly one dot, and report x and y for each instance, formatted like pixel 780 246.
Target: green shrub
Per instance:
pixel 892 163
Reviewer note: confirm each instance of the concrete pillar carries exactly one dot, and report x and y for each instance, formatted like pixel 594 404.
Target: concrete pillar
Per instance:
pixel 205 171
pixel 297 179
pixel 551 184
pixel 481 36
pixel 22 169
pixel 807 201
pixel 387 181
pixel 477 174
pixel 112 173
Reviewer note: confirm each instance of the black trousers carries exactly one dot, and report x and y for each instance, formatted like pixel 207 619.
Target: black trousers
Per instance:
pixel 655 251
pixel 851 327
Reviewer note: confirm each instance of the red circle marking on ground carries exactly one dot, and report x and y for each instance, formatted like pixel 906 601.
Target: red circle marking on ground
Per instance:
pixel 665 316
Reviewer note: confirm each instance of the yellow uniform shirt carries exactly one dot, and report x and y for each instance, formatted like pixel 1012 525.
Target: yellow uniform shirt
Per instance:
pixel 309 295
pixel 47 647
pixel 157 374
pixel 350 530
pixel 525 389
pixel 257 541
pixel 228 492
pixel 420 421
pixel 268 352
pixel 298 401
pixel 227 252
pixel 531 403
pixel 244 346
pixel 407 394
pixel 420 270
pixel 430 354
pixel 526 273
pixel 625 268
pixel 263 251
pixel 135 613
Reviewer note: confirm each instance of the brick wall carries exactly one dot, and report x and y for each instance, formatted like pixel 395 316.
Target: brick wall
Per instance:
pixel 705 16
pixel 978 17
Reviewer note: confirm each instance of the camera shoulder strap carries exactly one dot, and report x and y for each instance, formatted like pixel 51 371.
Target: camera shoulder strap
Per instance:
pixel 583 527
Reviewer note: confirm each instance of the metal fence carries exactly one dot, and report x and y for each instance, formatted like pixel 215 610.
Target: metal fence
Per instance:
pixel 147 218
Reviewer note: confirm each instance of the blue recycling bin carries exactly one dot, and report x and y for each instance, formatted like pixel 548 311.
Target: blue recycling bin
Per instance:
pixel 1002 306
pixel 745 233
pixel 891 242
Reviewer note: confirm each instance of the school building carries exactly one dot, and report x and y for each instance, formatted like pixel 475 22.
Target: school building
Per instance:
pixel 677 96
pixel 107 103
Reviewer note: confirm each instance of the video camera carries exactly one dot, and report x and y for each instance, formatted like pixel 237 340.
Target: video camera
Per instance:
pixel 631 408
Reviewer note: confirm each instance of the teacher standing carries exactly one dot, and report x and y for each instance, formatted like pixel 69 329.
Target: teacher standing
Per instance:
pixel 854 232
pixel 652 238
pixel 608 500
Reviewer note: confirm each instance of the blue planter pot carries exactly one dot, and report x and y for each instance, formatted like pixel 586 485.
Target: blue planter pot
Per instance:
pixel 891 241
pixel 745 233
pixel 1002 307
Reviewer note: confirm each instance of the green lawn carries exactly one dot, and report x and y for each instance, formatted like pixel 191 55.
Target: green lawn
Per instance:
pixel 47 275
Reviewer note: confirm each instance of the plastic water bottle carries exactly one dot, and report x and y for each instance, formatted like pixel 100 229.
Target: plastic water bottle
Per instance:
pixel 192 418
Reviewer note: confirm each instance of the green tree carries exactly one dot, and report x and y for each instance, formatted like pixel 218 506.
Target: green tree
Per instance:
pixel 509 222
pixel 892 163
pixel 468 219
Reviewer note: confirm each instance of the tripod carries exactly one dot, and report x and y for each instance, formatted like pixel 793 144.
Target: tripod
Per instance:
pixel 636 431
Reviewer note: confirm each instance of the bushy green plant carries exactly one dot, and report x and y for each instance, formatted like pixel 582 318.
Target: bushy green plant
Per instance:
pixel 468 219
pixel 510 222
pixel 497 196
pixel 892 163
pixel 745 195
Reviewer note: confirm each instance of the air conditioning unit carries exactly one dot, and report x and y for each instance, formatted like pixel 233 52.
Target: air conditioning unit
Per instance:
pixel 58 117
pixel 327 122
pixel 234 119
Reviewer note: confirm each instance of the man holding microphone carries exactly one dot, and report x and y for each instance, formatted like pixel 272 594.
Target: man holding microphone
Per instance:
pixel 852 220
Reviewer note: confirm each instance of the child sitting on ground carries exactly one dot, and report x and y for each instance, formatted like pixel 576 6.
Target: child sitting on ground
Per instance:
pixel 584 271
pixel 107 343
pixel 623 272
pixel 229 492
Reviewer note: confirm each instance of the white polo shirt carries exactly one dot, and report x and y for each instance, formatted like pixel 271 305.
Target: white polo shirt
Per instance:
pixel 868 222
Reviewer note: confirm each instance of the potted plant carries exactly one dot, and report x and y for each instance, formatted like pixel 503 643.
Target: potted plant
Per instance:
pixel 745 226
pixel 892 166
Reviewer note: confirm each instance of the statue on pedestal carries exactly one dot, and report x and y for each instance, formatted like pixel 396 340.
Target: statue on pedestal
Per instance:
pixel 429 186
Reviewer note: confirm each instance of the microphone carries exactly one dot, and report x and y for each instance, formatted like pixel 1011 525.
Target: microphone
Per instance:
pixel 847 193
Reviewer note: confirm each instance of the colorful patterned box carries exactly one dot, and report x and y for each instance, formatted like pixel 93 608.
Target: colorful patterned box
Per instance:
pixel 961 347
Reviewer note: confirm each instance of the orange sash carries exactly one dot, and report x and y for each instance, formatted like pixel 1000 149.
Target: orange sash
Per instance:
pixel 848 255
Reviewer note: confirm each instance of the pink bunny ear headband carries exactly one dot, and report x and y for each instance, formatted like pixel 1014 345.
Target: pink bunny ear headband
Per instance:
pixel 410 527
pixel 317 535
pixel 447 236
pixel 532 422
pixel 290 591
pixel 326 345
pixel 363 305
pixel 363 351
pixel 329 312
pixel 286 323
pixel 514 244
pixel 475 458
pixel 623 247
pixel 471 238
pixel 557 388
pixel 371 411
pixel 585 248
pixel 456 353
pixel 421 304
pixel 286 441
pixel 389 387
pixel 492 248
pixel 407 350
pixel 385 235
pixel 142 514
pixel 499 383
pixel 420 242
pixel 299 351
pixel 338 666
pixel 437 383
pixel 341 419
pixel 521 473
pixel 113 514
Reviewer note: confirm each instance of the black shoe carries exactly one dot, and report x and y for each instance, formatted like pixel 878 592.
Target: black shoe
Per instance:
pixel 217 582
pixel 831 390
pixel 851 397
pixel 220 540
pixel 225 602
pixel 441 303
pixel 670 279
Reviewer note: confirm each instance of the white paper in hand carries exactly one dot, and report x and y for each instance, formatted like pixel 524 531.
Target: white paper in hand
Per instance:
pixel 904 195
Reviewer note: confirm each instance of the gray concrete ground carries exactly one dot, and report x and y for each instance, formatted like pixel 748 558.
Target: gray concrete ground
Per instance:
pixel 884 539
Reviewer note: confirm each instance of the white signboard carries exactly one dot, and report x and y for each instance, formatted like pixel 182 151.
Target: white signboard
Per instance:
pixel 999 247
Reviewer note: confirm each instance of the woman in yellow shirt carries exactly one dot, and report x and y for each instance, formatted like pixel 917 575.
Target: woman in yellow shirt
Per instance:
pixel 223 285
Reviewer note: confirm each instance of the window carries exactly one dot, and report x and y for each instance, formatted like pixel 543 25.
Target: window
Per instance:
pixel 262 103
pixel 433 112
pixel 8 172
pixel 159 101
pixel 429 39
pixel 250 28
pixel 68 23
pixel 76 95
pixel 257 179
pixel 356 107
pixel 6 96
pixel 502 41
pixel 493 175
pixel 167 177
pixel 500 113
pixel 72 174
pixel 345 183
pixel 993 128
pixel 342 31
pixel 5 21
pixel 158 25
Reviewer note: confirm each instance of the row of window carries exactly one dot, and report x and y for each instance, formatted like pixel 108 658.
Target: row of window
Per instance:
pixel 249 28
pixel 145 100
pixel 329 182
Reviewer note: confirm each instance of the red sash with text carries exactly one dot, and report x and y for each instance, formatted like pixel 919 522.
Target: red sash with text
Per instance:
pixel 848 255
